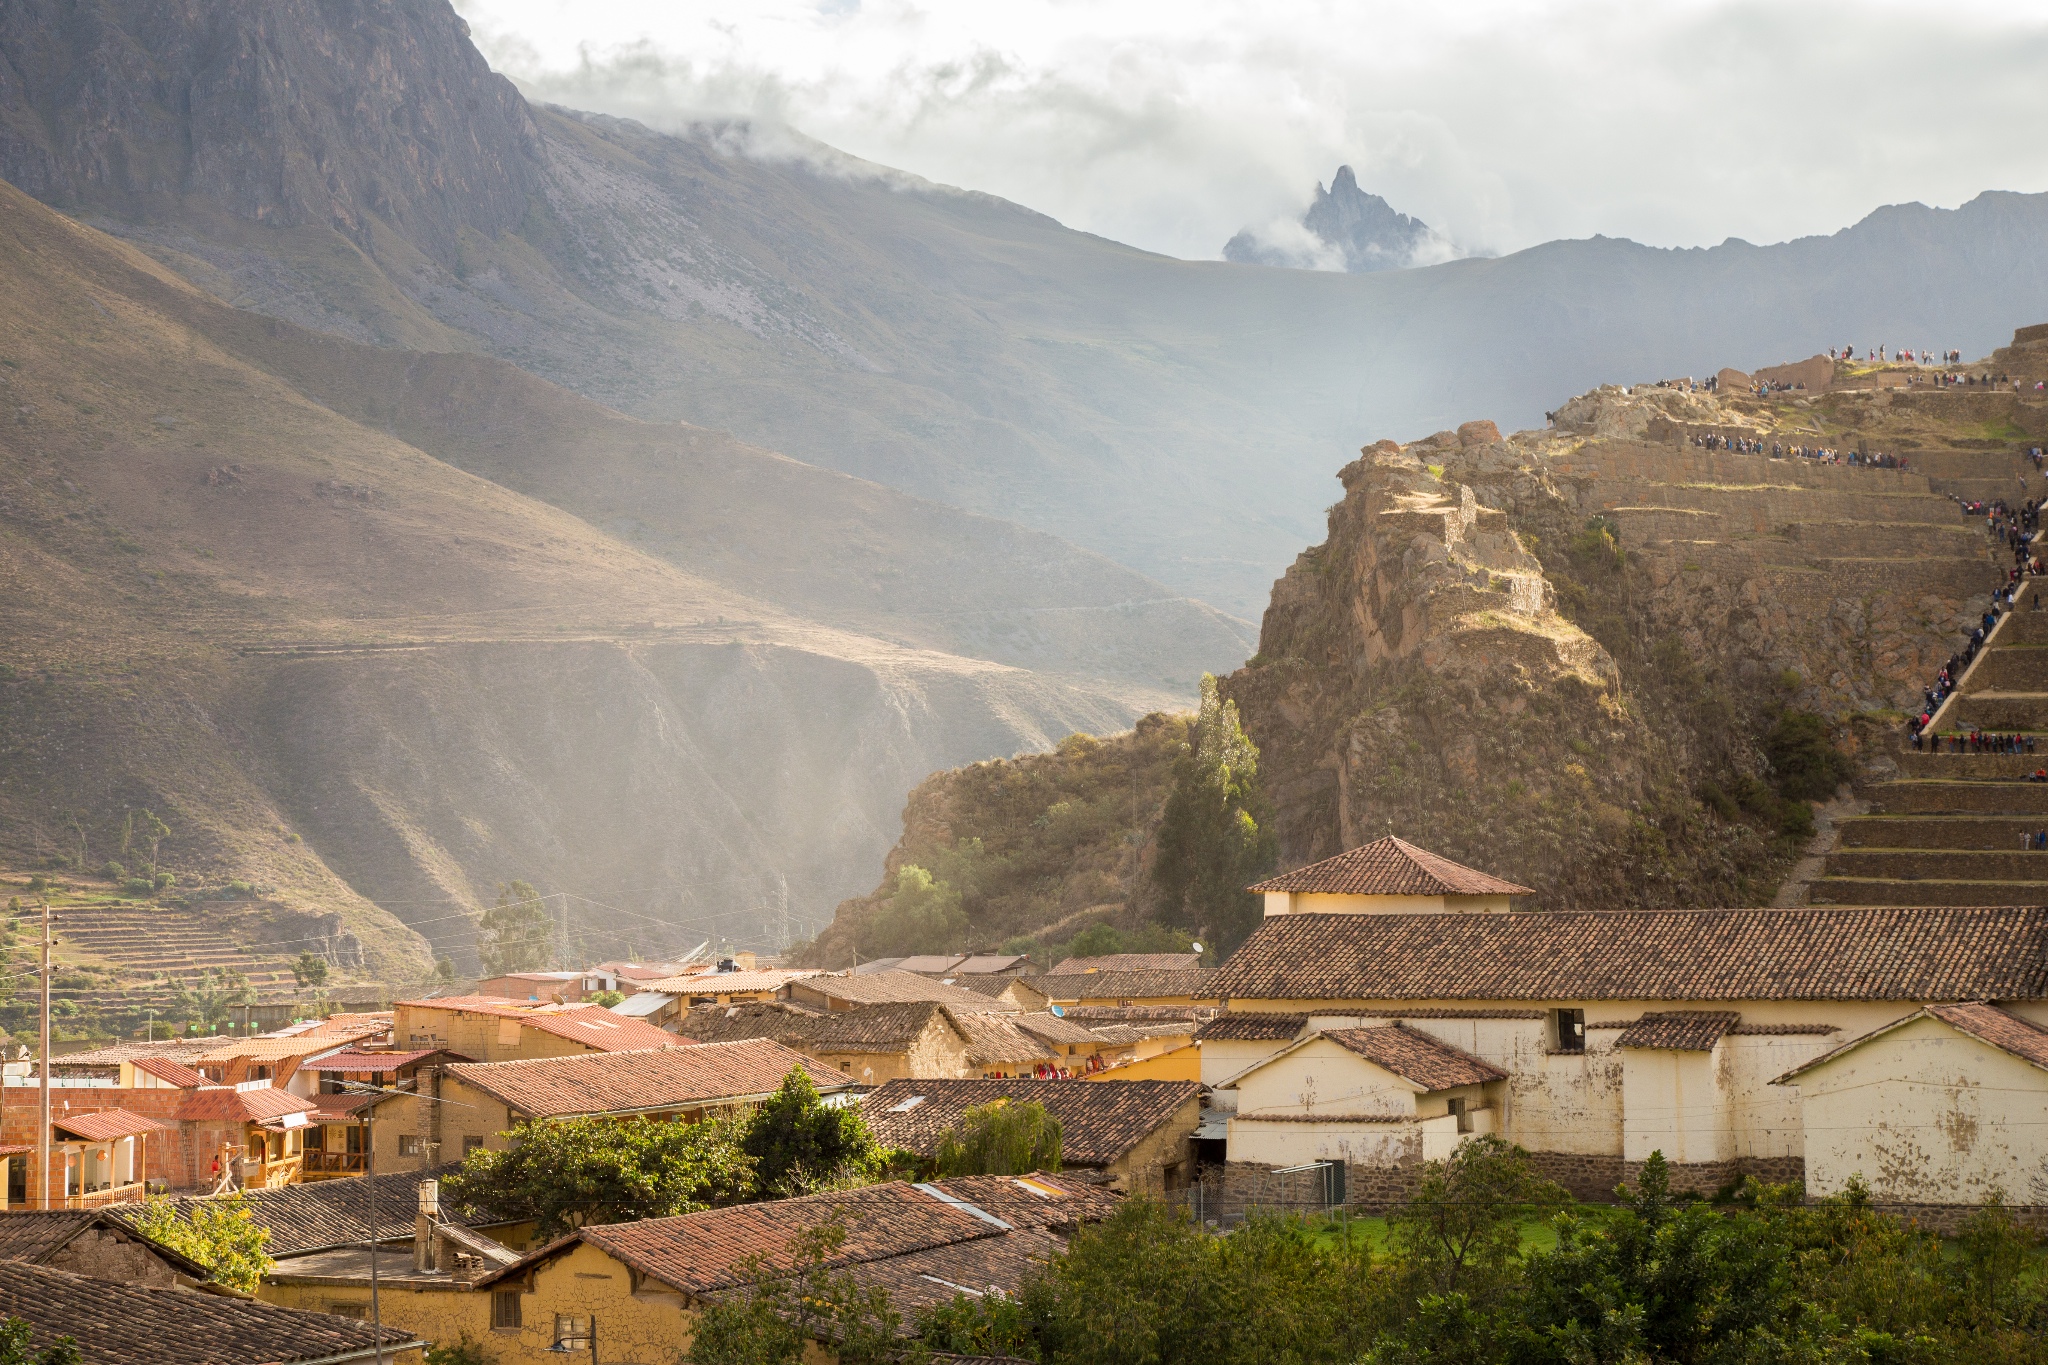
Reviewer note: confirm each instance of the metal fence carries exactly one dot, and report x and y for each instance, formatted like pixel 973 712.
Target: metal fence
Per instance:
pixel 1317 1188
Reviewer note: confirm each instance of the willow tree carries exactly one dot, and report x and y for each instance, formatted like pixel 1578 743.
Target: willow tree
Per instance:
pixel 1215 837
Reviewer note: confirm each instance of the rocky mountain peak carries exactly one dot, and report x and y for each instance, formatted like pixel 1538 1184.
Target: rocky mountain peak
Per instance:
pixel 287 113
pixel 1344 229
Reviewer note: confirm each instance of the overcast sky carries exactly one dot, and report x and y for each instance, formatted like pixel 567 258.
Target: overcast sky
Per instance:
pixel 1170 124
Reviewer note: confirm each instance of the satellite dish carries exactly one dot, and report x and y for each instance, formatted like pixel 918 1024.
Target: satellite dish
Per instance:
pixel 1058 1012
pixel 1197 947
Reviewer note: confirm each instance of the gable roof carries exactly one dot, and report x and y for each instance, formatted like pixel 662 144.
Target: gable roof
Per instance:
pixel 35 1235
pixel 173 1073
pixel 995 1039
pixel 369 1063
pixel 1878 953
pixel 1128 962
pixel 1052 1028
pixel 124 1324
pixel 324 1214
pixel 634 1082
pixel 725 983
pixel 1197 982
pixel 878 1028
pixel 1414 1056
pixel 991 984
pixel 1987 1023
pixel 1679 1030
pixel 591 1025
pixel 298 1045
pixel 247 1106
pixel 1098 1123
pixel 181 1050
pixel 891 988
pixel 1390 867
pixel 1250 1026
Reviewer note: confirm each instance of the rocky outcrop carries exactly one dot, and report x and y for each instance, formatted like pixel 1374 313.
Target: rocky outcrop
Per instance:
pixel 1555 655
pixel 1358 232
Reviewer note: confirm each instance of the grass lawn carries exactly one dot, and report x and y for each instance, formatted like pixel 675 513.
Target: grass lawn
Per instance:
pixel 1537 1233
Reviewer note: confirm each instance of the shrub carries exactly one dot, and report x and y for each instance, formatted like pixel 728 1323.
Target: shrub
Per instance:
pixel 1001 1138
pixel 1805 764
pixel 113 871
pixel 139 886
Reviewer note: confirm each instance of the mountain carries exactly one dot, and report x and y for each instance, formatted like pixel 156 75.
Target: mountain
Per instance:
pixel 374 630
pixel 1350 229
pixel 355 167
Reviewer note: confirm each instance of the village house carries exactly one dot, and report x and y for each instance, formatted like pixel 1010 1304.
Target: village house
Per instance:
pixel 96 1243
pixel 725 988
pixel 1615 1034
pixel 342 1141
pixel 1134 1136
pixel 475 1105
pixel 335 1215
pixel 828 992
pixel 880 1043
pixel 1019 993
pixel 1178 986
pixel 139 1324
pixel 496 1030
pixel 632 1291
pixel 281 1059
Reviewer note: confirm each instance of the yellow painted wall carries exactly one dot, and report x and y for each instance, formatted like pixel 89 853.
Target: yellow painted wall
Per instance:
pixel 479 1037
pixel 1183 1063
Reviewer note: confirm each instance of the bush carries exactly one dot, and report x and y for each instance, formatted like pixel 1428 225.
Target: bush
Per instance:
pixel 113 871
pixel 797 1144
pixel 1001 1138
pixel 1805 764
pixel 139 886
pixel 923 915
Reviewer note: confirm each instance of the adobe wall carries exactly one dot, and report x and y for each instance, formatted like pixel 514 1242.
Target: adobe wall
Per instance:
pixel 104 1254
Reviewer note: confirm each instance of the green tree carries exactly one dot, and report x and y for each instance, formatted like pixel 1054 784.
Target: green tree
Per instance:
pixel 607 999
pixel 221 1234
pixel 1215 836
pixel 922 915
pixel 798 1143
pixel 1805 764
pixel 1462 1229
pixel 515 935
pixel 465 1351
pixel 566 1173
pixel 310 969
pixel 783 1308
pixel 17 1349
pixel 1001 1138
pixel 208 999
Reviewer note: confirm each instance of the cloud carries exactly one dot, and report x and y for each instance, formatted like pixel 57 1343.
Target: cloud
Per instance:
pixel 1502 123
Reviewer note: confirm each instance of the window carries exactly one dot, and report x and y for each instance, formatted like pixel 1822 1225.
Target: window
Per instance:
pixel 572 1332
pixel 471 1144
pixel 1457 1111
pixel 259 1073
pixel 1571 1030
pixel 505 1309
pixel 411 1144
pixel 349 1310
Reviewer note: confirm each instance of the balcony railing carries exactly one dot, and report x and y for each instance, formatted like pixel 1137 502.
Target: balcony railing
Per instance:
pixel 322 1164
pixel 130 1193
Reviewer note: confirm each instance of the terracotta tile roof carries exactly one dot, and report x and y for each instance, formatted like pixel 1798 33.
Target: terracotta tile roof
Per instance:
pixel 995 1040
pixel 325 1214
pixel 122 1324
pixel 2002 1029
pixel 341 1108
pixel 174 1073
pixel 1129 962
pixel 366 1063
pixel 888 988
pixel 929 1278
pixel 1039 1200
pixel 983 963
pixel 1052 1028
pixel 35 1235
pixel 877 1028
pixel 984 983
pixel 633 1082
pixel 105 1126
pixel 1679 1030
pixel 247 1106
pixel 592 1025
pixel 1881 953
pixel 725 983
pixel 1196 982
pixel 299 1045
pixel 1098 1123
pixel 1416 1056
pixel 1141 1014
pixel 183 1050
pixel 1390 867
pixel 1249 1027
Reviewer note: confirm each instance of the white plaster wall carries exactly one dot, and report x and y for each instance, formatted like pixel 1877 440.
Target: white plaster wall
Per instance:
pixel 1295 1144
pixel 1223 1058
pixel 1765 1118
pixel 1323 1078
pixel 1672 1103
pixel 1928 1115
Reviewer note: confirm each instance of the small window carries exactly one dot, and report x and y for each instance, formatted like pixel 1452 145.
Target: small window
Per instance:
pixel 411 1144
pixel 505 1309
pixel 259 1073
pixel 358 1311
pixel 571 1332
pixel 1571 1030
pixel 471 1144
pixel 1457 1111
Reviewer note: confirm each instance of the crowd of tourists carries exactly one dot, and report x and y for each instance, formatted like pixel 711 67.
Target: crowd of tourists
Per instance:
pixel 1779 450
pixel 2016 528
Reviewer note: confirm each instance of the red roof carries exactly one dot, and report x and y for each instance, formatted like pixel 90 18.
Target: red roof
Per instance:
pixel 164 1069
pixel 1390 867
pixel 371 1062
pixel 248 1106
pixel 2003 1030
pixel 107 1125
pixel 592 1025
pixel 1415 1056
pixel 629 1082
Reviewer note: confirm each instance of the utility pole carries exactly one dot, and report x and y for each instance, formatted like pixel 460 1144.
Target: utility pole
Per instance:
pixel 43 1069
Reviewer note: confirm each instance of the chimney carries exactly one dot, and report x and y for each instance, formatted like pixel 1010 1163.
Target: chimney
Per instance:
pixel 423 1226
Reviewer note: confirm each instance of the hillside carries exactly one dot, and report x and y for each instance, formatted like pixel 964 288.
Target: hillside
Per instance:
pixel 1621 662
pixel 1178 417
pixel 363 681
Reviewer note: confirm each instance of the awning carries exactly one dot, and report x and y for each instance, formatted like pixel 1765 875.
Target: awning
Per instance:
pixel 107 1125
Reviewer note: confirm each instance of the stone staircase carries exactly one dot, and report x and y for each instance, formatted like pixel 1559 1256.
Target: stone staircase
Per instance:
pixel 1948 830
